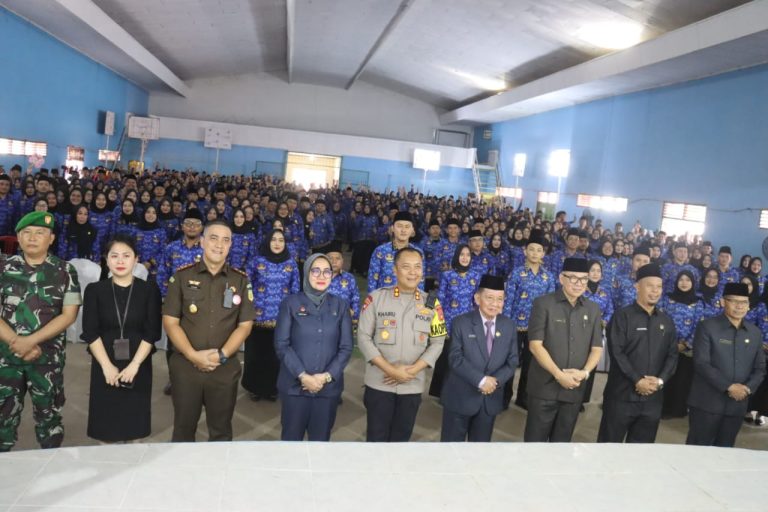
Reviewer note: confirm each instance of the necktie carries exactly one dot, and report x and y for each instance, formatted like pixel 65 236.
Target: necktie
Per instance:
pixel 489 336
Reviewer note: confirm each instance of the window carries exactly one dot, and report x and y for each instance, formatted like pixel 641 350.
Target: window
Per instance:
pixel 22 147
pixel 312 171
pixel 763 219
pixel 548 197
pixel 514 193
pixel 75 157
pixel 682 218
pixel 609 203
pixel 559 163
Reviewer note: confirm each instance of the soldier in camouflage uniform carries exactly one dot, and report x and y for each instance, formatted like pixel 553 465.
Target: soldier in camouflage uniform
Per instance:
pixel 40 296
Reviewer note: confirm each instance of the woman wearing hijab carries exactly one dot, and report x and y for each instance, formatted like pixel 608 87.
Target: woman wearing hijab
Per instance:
pixel 608 264
pixel 756 271
pixel 517 246
pixel 145 200
pixel 709 291
pixel 364 239
pixel 502 256
pixel 243 248
pixel 601 295
pixel 758 314
pixel 455 293
pixel 273 275
pixel 686 310
pixel 80 240
pixel 151 241
pixel 744 264
pixel 168 220
pixel 128 220
pixel 311 376
pixel 101 217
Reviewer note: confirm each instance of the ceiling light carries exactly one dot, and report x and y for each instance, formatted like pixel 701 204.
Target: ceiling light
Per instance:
pixel 485 83
pixel 612 35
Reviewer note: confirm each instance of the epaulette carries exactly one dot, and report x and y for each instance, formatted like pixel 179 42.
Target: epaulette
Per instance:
pixel 238 271
pixel 185 267
pixel 431 300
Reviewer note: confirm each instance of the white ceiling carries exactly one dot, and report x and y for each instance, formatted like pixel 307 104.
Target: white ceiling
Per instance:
pixel 451 53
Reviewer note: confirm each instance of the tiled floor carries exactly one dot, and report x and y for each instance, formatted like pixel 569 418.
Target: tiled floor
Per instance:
pixel 260 421
pixel 256 476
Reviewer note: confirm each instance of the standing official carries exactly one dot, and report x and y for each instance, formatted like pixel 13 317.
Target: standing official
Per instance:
pixel 642 343
pixel 40 297
pixel 565 332
pixel 381 271
pixel 728 363
pixel 482 358
pixel 208 313
pixel 400 334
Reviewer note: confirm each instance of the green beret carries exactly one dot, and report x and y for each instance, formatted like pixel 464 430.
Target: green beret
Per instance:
pixel 41 219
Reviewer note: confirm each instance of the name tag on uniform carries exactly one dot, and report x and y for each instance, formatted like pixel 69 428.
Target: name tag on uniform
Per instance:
pixel 471 336
pixel 725 342
pixel 560 320
pixel 641 329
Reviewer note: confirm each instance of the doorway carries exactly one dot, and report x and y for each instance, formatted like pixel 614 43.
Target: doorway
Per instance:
pixel 312 171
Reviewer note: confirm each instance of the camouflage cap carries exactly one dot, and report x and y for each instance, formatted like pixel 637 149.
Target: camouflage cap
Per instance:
pixel 42 219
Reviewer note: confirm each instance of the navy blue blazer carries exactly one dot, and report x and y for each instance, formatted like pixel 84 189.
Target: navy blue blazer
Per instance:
pixel 314 340
pixel 469 362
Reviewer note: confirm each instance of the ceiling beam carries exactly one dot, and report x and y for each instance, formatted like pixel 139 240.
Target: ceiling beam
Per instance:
pixel 721 43
pixel 290 12
pixel 404 5
pixel 90 14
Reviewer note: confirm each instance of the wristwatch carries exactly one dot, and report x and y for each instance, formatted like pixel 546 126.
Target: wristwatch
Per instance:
pixel 222 358
pixel 328 378
pixel 661 383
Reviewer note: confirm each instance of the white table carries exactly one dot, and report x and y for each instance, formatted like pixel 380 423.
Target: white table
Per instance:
pixel 273 476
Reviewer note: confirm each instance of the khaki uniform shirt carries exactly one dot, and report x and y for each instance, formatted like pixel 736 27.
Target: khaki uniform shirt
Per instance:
pixel 401 329
pixel 197 298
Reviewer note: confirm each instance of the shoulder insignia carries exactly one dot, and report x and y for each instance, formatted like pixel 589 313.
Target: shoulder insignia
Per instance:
pixel 367 302
pixel 185 267
pixel 238 271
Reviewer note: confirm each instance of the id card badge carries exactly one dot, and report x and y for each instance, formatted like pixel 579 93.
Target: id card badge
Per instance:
pixel 122 349
pixel 229 295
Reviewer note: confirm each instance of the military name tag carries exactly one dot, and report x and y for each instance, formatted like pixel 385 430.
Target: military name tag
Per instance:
pixel 725 342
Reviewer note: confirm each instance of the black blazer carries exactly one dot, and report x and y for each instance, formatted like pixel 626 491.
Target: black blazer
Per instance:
pixel 469 362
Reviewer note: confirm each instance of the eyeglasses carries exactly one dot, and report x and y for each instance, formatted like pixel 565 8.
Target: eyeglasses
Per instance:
pixel 576 280
pixel 316 272
pixel 192 223
pixel 739 303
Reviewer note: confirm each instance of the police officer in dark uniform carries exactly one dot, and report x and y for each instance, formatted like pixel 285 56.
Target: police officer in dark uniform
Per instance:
pixel 566 338
pixel 642 343
pixel 208 313
pixel 728 364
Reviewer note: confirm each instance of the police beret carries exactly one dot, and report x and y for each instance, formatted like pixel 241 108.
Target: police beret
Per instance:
pixel 491 282
pixel 649 270
pixel 738 289
pixel 575 265
pixel 334 246
pixel 403 216
pixel 40 219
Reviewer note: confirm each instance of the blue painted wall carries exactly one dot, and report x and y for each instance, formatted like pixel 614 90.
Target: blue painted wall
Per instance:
pixel 704 142
pixel 52 93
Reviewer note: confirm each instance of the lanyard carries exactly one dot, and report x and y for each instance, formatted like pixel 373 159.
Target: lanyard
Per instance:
pixel 121 321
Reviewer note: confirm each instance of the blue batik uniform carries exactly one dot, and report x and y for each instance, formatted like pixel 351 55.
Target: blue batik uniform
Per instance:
pixel 504 263
pixel 670 271
pixel 381 271
pixel 456 293
pixel 340 226
pixel 758 315
pixel 271 283
pixel 434 253
pixel 323 230
pixel 129 229
pixel 610 268
pixel 344 286
pixel 523 286
pixel 175 256
pixel 449 249
pixel 171 226
pixel 685 316
pixel 732 275
pixel 518 256
pixel 295 229
pixel 102 221
pixel 242 251
pixel 604 299
pixel 68 251
pixel 557 259
pixel 624 292
pixel 365 228
pixel 382 233
pixel 151 246
pixel 713 308
pixel 8 215
pixel 483 263
pixel 625 266
pixel 27 204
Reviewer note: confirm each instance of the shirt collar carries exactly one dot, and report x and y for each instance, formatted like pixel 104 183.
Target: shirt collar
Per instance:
pixel 724 322
pixel 640 309
pixel 200 268
pixel 560 295
pixel 484 319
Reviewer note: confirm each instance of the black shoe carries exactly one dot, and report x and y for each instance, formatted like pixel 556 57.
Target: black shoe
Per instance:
pixel 167 389
pixel 254 397
pixel 582 409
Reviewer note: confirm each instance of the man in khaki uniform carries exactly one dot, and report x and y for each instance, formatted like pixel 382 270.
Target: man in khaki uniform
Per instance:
pixel 207 314
pixel 400 333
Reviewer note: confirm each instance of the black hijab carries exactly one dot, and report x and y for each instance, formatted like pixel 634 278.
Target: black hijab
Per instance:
pixel 240 230
pixel 165 216
pixel 492 249
pixel 148 226
pixel 754 297
pixel 133 218
pixel 679 295
pixel 266 251
pixel 455 265
pixel 96 209
pixel 517 243
pixel 592 285
pixel 708 293
pixel 81 235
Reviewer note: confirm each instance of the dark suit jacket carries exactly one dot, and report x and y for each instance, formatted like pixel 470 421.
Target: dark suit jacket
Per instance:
pixel 469 362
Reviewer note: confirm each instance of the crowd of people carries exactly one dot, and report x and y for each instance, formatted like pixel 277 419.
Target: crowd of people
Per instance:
pixel 472 288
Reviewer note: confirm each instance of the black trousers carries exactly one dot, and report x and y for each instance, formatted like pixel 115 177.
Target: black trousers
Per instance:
pixel 309 415
pixel 550 421
pixel 677 389
pixel 390 416
pixel 709 429
pixel 458 428
pixel 193 389
pixel 261 363
pixel 525 357
pixel 441 370
pixel 633 422
pixel 759 399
